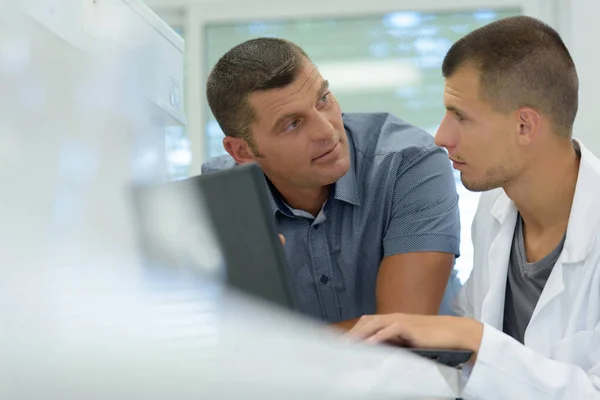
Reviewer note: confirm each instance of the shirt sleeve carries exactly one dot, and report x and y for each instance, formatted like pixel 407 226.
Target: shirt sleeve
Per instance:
pixel 424 214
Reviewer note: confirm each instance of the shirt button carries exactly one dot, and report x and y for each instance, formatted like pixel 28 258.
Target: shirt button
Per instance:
pixel 324 279
pixel 316 226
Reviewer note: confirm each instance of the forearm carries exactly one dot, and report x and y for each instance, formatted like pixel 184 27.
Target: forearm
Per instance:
pixel 414 303
pixel 413 283
pixel 468 333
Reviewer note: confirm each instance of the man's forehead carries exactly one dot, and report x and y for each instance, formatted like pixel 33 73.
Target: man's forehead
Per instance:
pixel 308 74
pixel 463 84
pixel 307 81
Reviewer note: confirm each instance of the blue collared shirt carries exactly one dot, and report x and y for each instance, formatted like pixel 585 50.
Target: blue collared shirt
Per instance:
pixel 399 196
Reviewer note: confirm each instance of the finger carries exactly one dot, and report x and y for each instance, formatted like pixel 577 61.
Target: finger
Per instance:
pixel 366 327
pixel 394 332
pixel 282 239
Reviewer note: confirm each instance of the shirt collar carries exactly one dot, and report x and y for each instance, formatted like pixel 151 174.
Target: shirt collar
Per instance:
pixel 277 203
pixel 346 188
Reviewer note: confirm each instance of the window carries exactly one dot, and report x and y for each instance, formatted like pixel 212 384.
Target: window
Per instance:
pixel 405 49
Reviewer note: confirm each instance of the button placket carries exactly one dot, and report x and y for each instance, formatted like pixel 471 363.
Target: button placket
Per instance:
pixel 322 269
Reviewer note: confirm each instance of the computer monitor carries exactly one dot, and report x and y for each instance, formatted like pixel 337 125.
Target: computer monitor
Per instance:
pixel 235 207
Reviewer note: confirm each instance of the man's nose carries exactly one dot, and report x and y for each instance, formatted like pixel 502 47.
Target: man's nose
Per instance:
pixel 445 135
pixel 323 130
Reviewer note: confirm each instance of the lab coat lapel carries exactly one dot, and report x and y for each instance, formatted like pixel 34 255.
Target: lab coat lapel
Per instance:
pixel 581 229
pixel 541 332
pixel 505 212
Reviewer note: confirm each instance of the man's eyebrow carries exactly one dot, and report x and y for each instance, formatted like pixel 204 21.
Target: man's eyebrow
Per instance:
pixel 324 87
pixel 453 109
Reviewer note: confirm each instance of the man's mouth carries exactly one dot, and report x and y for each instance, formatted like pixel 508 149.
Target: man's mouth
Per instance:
pixel 331 153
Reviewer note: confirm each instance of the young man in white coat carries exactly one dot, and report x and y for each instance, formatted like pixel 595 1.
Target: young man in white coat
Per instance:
pixel 532 304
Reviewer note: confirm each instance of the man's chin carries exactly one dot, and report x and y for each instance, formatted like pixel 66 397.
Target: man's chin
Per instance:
pixel 478 186
pixel 334 172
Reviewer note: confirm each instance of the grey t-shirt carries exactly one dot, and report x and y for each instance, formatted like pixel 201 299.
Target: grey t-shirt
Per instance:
pixel 525 283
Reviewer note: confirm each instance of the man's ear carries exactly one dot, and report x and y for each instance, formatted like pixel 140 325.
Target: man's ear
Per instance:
pixel 530 124
pixel 239 149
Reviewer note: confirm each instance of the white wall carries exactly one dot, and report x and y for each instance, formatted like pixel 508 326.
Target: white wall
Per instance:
pixel 576 20
pixel 581 31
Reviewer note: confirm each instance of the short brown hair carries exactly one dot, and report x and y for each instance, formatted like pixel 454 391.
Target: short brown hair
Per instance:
pixel 255 65
pixel 522 62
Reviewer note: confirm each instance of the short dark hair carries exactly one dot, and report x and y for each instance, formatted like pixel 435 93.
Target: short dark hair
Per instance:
pixel 521 62
pixel 254 65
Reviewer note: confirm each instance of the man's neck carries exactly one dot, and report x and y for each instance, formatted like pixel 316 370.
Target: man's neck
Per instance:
pixel 544 193
pixel 310 200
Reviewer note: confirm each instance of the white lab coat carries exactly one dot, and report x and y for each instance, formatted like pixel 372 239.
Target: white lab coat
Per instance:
pixel 561 355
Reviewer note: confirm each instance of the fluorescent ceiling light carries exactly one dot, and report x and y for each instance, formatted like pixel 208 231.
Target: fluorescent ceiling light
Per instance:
pixel 353 76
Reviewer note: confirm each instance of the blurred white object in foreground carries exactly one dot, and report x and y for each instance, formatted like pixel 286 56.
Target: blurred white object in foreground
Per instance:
pixel 185 339
pixel 87 91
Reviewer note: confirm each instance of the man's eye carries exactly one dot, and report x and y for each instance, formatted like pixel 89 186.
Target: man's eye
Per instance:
pixel 292 125
pixel 324 98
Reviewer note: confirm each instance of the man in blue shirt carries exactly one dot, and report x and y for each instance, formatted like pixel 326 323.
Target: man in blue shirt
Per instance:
pixel 366 202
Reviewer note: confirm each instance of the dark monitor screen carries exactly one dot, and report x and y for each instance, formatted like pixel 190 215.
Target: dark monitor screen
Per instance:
pixel 234 205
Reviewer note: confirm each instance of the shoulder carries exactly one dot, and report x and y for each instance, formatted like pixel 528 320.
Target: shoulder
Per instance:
pixel 377 134
pixel 218 163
